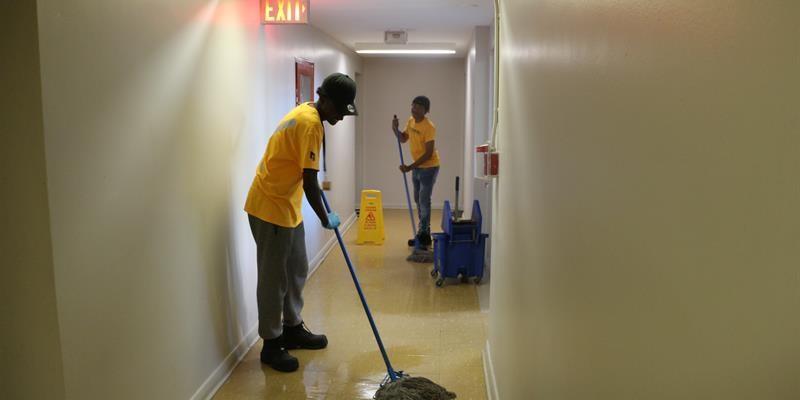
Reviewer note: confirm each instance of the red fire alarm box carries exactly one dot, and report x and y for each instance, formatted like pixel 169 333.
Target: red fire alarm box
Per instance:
pixel 487 161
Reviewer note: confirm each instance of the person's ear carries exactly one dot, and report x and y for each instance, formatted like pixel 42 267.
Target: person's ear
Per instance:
pixel 324 104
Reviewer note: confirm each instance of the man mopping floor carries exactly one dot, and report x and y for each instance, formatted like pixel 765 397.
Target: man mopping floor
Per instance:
pixel 274 207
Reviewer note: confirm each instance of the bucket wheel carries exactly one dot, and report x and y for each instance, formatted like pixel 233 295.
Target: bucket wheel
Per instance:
pixel 439 282
pixel 477 279
pixel 434 273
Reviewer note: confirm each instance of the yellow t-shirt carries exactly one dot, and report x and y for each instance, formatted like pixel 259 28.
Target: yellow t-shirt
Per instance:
pixel 420 133
pixel 276 195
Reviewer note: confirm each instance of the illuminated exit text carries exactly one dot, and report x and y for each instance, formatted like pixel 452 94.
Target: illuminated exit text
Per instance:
pixel 284 11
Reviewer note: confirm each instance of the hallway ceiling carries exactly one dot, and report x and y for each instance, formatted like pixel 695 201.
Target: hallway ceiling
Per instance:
pixel 427 21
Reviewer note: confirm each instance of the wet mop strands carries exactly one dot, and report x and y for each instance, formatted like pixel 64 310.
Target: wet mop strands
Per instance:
pixel 416 388
pixel 397 385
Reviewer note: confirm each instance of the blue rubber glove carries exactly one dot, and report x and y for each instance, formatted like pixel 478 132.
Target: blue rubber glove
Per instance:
pixel 333 220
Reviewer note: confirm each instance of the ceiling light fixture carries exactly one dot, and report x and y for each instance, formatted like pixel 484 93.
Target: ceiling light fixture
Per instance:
pixel 407 49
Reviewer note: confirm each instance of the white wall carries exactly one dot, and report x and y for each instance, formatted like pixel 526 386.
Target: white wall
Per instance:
pixel 478 131
pixel 647 243
pixel 156 115
pixel 390 86
pixel 478 128
pixel 30 351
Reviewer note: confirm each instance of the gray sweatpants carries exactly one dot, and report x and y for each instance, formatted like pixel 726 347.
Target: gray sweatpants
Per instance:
pixel 282 273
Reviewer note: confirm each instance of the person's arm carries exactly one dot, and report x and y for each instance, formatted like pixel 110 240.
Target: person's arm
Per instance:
pixel 429 148
pixel 314 194
pixel 310 137
pixel 402 136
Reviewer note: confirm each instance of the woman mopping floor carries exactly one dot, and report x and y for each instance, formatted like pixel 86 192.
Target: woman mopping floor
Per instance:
pixel 420 132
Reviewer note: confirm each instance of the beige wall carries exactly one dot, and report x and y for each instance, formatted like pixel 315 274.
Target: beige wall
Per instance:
pixel 30 352
pixel 156 115
pixel 390 86
pixel 648 201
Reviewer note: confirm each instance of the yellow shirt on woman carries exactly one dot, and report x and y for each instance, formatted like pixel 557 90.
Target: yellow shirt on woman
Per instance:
pixel 420 133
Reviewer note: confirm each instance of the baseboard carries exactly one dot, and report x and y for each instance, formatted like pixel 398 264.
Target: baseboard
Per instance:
pixel 488 374
pixel 209 388
pixel 329 245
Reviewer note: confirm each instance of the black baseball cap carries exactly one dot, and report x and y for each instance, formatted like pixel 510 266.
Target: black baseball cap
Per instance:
pixel 342 90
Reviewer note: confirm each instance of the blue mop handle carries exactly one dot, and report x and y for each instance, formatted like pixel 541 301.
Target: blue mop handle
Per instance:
pixel 389 369
pixel 408 196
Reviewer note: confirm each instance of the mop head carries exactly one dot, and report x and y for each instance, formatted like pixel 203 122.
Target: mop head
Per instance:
pixel 416 388
pixel 420 256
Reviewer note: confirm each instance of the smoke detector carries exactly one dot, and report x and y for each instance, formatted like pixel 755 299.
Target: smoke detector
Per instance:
pixel 395 37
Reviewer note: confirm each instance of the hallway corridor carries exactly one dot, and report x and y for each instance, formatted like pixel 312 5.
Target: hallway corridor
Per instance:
pixel 438 333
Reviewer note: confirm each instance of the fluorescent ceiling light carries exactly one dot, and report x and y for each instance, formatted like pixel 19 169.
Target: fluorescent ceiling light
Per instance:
pixel 406 51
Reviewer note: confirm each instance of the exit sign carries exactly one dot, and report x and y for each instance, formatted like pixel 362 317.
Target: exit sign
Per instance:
pixel 279 12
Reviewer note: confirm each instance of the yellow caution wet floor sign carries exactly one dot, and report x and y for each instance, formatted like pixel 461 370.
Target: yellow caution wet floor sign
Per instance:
pixel 370 220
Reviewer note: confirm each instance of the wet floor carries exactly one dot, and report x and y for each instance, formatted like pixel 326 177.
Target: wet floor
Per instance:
pixel 438 333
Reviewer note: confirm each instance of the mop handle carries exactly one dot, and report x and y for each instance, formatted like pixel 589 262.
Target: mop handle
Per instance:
pixel 456 211
pixel 389 369
pixel 408 196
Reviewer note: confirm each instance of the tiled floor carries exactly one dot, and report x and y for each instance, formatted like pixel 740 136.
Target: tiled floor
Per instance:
pixel 438 333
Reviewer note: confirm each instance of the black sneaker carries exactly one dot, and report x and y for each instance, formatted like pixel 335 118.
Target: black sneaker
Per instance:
pixel 276 356
pixel 422 246
pixel 299 337
pixel 425 240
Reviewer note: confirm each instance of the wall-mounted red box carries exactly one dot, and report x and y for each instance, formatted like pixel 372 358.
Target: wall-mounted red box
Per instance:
pixel 486 161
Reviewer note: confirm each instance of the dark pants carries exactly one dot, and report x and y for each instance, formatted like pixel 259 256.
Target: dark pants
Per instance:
pixel 424 179
pixel 282 273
